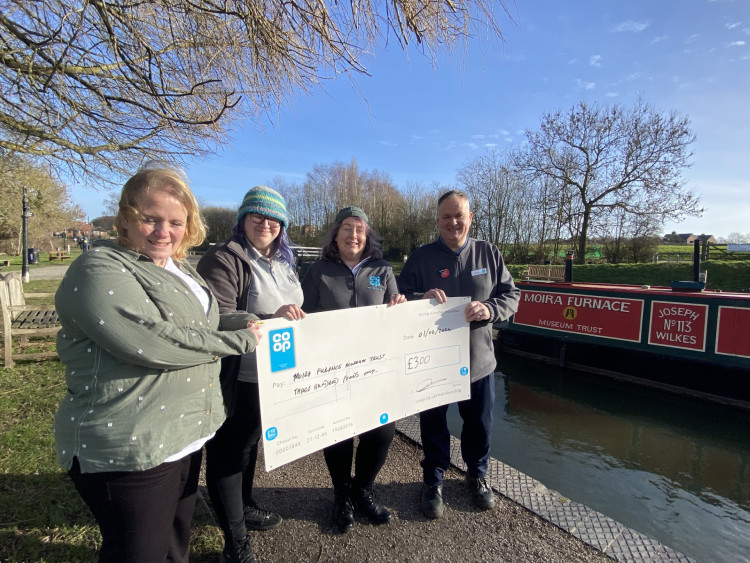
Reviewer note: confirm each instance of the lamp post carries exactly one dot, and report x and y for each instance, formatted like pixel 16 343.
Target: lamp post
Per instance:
pixel 25 238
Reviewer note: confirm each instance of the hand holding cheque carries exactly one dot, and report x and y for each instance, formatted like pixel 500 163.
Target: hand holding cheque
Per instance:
pixel 334 375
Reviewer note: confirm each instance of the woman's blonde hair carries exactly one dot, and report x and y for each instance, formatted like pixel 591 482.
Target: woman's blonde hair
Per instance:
pixel 154 178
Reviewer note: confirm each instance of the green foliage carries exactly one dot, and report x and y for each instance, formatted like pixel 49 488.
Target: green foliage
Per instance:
pixel 219 222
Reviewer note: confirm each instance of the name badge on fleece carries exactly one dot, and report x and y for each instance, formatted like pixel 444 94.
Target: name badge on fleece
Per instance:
pixel 479 272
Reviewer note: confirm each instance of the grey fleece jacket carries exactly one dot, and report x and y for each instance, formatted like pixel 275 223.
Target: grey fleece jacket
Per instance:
pixel 478 272
pixel 226 269
pixel 330 285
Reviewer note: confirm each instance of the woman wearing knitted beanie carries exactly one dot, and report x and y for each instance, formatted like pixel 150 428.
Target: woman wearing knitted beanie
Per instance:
pixel 251 271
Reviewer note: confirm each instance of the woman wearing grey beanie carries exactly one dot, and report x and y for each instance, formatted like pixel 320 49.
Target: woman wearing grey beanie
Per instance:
pixel 352 273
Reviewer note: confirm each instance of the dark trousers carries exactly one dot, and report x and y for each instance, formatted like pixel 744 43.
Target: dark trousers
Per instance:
pixel 476 413
pixel 371 454
pixel 142 515
pixel 231 456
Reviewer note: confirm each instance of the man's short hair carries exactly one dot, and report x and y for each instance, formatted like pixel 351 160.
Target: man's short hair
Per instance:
pixel 453 193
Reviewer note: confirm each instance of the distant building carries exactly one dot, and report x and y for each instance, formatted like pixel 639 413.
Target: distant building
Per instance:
pixel 686 238
pixel 79 229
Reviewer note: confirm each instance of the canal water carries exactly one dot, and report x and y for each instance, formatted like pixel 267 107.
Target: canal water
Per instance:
pixel 670 467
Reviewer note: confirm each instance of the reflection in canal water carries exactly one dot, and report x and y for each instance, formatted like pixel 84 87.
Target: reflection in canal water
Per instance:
pixel 675 469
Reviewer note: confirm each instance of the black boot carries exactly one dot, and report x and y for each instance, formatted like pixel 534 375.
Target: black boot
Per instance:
pixel 343 512
pixel 239 552
pixel 363 500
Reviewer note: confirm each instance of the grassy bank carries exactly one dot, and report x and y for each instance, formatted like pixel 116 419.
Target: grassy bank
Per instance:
pixel 16 262
pixel 722 275
pixel 42 518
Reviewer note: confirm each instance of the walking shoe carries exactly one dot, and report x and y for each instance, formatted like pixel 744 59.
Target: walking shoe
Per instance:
pixel 481 493
pixel 432 501
pixel 364 502
pixel 343 511
pixel 239 552
pixel 259 519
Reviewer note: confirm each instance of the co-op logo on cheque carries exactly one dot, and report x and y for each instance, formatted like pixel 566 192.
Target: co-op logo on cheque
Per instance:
pixel 282 349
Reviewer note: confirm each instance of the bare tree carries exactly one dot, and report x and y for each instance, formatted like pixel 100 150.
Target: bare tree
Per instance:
pixel 605 158
pixel 737 238
pixel 111 203
pixel 103 85
pixel 418 225
pixel 486 179
pixel 48 200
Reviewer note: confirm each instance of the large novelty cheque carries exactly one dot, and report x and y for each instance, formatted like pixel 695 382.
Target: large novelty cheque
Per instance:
pixel 333 375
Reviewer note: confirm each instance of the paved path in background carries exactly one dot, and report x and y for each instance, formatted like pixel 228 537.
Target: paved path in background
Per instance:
pixel 48 272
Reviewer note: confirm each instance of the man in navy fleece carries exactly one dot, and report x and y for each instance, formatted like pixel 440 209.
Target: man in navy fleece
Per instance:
pixel 457 265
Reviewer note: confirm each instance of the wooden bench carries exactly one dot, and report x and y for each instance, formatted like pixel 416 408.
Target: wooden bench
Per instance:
pixel 21 320
pixel 545 273
pixel 59 255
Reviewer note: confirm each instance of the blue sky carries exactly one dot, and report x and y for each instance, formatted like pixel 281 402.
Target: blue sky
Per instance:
pixel 420 123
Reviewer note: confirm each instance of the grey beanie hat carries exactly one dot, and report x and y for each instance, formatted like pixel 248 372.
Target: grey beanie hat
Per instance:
pixel 351 211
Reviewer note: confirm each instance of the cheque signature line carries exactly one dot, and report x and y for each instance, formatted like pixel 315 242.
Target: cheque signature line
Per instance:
pixel 429 383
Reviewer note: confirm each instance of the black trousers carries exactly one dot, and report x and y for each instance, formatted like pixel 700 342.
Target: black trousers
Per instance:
pixel 371 454
pixel 143 515
pixel 476 412
pixel 231 456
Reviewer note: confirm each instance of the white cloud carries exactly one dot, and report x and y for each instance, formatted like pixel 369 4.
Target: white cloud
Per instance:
pixel 630 25
pixel 611 95
pixel 659 39
pixel 732 25
pixel 594 60
pixel 737 44
pixel 629 78
pixel 585 85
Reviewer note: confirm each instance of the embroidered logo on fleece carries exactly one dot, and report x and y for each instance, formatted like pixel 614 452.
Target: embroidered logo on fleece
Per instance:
pixel 375 283
pixel 444 273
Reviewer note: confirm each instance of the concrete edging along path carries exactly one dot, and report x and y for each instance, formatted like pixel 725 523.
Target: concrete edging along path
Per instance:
pixel 593 528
